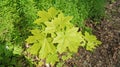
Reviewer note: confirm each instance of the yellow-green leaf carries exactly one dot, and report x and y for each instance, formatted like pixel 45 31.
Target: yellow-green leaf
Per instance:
pixel 34 48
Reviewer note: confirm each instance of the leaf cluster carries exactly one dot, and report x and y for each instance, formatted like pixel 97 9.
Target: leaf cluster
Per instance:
pixel 57 38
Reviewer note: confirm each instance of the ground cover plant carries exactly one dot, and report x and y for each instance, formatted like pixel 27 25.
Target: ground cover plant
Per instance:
pixel 15 19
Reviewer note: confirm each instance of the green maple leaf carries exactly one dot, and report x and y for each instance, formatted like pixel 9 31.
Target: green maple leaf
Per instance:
pixel 46 49
pixel 37 36
pixel 52 12
pixel 35 32
pixel 52 58
pixel 69 38
pixel 51 27
pixel 92 41
pixel 32 39
pixel 46 16
pixel 58 24
pixel 62 21
pixel 34 49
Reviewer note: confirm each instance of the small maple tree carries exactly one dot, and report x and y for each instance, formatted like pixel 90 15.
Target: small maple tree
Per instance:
pixel 57 36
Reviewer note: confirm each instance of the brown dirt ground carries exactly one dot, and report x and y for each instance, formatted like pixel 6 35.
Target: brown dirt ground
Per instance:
pixel 108 31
